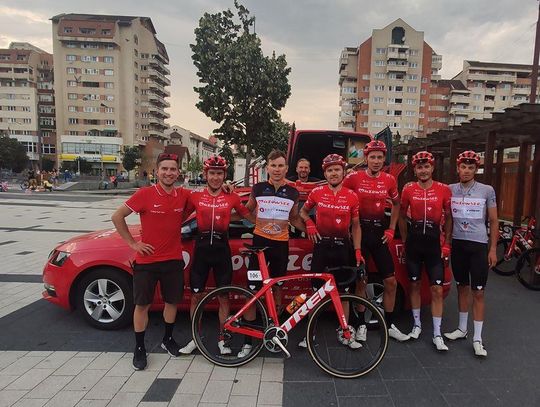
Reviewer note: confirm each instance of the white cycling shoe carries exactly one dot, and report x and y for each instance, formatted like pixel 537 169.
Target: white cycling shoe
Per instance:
pixel 456 334
pixel 395 333
pixel 189 348
pixel 246 349
pixel 361 333
pixel 416 331
pixel 439 344
pixel 479 349
pixel 351 342
pixel 224 349
pixel 303 343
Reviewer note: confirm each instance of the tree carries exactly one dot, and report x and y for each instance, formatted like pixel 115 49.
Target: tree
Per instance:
pixel 12 154
pixel 227 153
pixel 195 166
pixel 276 138
pixel 131 157
pixel 242 89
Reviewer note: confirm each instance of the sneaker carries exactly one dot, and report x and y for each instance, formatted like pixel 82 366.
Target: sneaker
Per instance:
pixel 246 349
pixel 223 349
pixel 439 343
pixel 351 342
pixel 479 349
pixel 456 334
pixel 171 347
pixel 361 333
pixel 189 348
pixel 396 334
pixel 416 331
pixel 303 343
pixel 139 358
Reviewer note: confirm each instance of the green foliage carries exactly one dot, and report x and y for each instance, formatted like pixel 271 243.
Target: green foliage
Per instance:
pixel 12 154
pixel 242 89
pixel 131 157
pixel 277 137
pixel 195 166
pixel 227 153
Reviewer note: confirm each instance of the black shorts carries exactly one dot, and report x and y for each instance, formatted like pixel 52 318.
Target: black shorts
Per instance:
pixel 330 254
pixel 277 256
pixel 470 263
pixel 170 275
pixel 425 251
pixel 372 245
pixel 206 256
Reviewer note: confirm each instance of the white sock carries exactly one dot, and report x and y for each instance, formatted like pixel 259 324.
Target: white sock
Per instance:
pixel 437 326
pixel 478 331
pixel 416 317
pixel 463 316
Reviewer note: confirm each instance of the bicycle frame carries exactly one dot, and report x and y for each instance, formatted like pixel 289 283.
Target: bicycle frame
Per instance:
pixel 329 288
pixel 521 236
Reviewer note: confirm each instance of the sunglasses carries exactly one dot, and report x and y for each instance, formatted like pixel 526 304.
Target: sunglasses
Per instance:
pixel 167 156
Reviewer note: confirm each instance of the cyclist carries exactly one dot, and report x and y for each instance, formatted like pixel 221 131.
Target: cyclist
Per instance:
pixel 275 204
pixel 472 204
pixel 158 255
pixel 373 187
pixel 212 251
pixel 303 168
pixel 336 212
pixel 429 204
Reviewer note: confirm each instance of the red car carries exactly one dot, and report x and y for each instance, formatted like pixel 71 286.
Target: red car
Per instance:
pixel 92 273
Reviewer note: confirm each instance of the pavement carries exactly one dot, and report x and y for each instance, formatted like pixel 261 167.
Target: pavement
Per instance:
pixel 51 357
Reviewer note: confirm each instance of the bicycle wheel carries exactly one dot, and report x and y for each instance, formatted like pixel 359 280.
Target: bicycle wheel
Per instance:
pixel 528 269
pixel 206 332
pixel 340 360
pixel 374 293
pixel 504 267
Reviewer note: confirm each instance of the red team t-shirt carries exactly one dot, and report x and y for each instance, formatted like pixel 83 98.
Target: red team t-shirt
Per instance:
pixel 427 205
pixel 161 216
pixel 214 212
pixel 333 211
pixel 372 192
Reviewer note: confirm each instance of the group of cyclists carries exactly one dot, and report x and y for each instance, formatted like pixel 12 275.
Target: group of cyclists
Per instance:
pixel 436 222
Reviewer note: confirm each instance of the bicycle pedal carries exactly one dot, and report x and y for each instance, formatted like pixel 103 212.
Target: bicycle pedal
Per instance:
pixel 276 340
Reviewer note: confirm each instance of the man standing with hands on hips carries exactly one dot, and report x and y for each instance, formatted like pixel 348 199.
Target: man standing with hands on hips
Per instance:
pixel 158 254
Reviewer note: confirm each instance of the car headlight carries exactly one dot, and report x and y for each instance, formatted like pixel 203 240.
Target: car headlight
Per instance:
pixel 59 258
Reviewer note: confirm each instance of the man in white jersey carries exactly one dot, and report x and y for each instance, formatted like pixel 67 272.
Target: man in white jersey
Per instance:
pixel 472 256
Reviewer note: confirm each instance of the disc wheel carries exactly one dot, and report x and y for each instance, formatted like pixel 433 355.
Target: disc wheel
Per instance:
pixel 206 327
pixel 336 358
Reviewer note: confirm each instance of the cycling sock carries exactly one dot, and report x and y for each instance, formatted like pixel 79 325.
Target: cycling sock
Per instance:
pixel 437 326
pixel 478 331
pixel 463 317
pixel 416 317
pixel 168 330
pixel 139 339
pixel 389 318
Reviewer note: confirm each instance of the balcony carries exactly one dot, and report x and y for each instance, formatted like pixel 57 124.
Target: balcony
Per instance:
pixel 491 78
pixel 160 66
pixel 525 91
pixel 156 99
pixel 159 77
pixel 460 99
pixel 397 68
pixel 156 121
pixel 397 55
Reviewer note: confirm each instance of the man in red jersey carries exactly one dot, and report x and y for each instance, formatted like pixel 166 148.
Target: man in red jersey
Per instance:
pixel 212 251
pixel 159 253
pixel 429 204
pixel 336 211
pixel 373 187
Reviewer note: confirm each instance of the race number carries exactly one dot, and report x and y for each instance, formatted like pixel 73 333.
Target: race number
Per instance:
pixel 254 275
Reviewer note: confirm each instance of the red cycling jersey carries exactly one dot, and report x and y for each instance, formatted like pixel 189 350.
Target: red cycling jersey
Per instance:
pixel 214 212
pixel 426 205
pixel 333 211
pixel 372 192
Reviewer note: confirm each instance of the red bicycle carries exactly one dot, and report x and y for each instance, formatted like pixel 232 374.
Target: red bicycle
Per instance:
pixel 254 324
pixel 509 249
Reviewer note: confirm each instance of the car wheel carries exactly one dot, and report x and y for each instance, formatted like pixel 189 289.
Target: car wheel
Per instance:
pixel 105 298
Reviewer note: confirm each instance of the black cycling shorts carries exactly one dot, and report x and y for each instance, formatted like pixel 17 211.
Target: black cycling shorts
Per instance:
pixel 206 256
pixel 277 254
pixel 170 275
pixel 425 251
pixel 373 246
pixel 329 254
pixel 470 263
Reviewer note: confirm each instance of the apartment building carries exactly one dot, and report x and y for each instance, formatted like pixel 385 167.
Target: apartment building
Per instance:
pixel 197 145
pixel 386 81
pixel 449 104
pixel 27 100
pixel 495 86
pixel 111 81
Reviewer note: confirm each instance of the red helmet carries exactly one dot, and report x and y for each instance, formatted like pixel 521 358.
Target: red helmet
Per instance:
pixel 468 157
pixel 216 162
pixel 333 159
pixel 422 157
pixel 375 145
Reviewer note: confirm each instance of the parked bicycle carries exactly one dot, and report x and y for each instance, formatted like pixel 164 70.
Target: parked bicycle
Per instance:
pixel 332 316
pixel 509 249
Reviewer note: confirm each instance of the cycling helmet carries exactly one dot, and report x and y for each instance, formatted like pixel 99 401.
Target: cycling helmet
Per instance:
pixel 375 145
pixel 468 157
pixel 333 159
pixel 422 157
pixel 216 162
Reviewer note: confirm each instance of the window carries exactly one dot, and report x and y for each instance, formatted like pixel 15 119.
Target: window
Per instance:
pixel 413 64
pixel 378 112
pixel 378 100
pixel 73 133
pixel 109 85
pixel 410 113
pixel 109 97
pixel 380 75
pixel 89 58
pixel 365 88
pixel 88 84
pixel 109 122
pixel 412 77
pixel 136 53
pixel 105 32
pixel 25 108
pixel 71 70
pixel 411 89
pixel 73 120
pixel 29 146
pixel 72 83
pixel 48 149
pixel 90 71
pixel 68 30
pixel 108 60
pixel 91 109
pixel 71 58
pixel 378 88
pixel 108 72
pixel 136 77
pixel 27 120
pixel 377 124
pixel 476 108
pixel 90 31
pixel 380 62
pixel 72 108
pixel 380 50
pixel 424 79
pixel 109 110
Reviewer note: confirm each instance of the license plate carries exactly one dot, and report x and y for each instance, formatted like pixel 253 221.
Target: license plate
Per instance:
pixel 254 275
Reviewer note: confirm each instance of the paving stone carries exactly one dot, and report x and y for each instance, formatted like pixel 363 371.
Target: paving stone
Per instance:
pixel 7 358
pixel 92 403
pixel 21 365
pixel 122 399
pixel 415 393
pixel 185 400
pixel 106 388
pixel 200 365
pixel 57 359
pixel 6 380
pixel 246 385
pixel 272 372
pixel 66 399
pixel 49 387
pixel 124 367
pixel 86 380
pixel 105 360
pixel 193 383
pixel 217 391
pixel 30 379
pixel 174 369
pixel 223 373
pixel 139 382
pixel 74 366
pixel 253 367
pixel 271 393
pixel 9 397
pixel 300 394
pixel 375 401
pixel 242 401
pixel 30 402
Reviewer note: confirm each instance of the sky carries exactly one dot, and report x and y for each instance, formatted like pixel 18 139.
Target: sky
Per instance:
pixel 311 34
